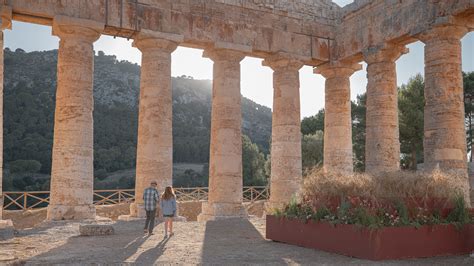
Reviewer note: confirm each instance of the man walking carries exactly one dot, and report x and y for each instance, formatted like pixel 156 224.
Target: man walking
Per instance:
pixel 150 198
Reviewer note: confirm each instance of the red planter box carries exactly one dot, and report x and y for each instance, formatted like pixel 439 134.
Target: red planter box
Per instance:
pixel 373 244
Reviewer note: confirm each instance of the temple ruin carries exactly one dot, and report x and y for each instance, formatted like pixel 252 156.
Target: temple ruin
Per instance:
pixel 287 35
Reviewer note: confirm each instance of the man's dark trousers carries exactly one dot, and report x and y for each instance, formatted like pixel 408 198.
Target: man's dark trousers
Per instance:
pixel 150 220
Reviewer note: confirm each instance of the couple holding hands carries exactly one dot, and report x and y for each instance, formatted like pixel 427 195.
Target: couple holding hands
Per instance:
pixel 167 202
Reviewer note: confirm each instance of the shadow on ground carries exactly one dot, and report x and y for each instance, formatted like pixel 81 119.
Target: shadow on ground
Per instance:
pixel 127 244
pixel 238 241
pixel 225 242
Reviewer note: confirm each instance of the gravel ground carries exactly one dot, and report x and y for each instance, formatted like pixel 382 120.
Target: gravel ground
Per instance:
pixel 218 243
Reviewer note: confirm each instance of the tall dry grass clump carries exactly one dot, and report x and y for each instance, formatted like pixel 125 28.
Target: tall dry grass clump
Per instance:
pixel 320 187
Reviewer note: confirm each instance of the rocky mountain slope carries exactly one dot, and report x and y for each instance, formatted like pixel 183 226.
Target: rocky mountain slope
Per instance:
pixel 30 84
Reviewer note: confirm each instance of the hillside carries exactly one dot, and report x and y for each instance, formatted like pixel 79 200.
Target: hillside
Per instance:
pixel 29 90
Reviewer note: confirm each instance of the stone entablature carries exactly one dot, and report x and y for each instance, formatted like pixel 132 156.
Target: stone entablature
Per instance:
pixel 201 23
pixel 304 28
pixel 323 11
pixel 369 23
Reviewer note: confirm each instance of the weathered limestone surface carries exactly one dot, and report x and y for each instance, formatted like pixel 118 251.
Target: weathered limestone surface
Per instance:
pixel 367 23
pixel 286 173
pixel 225 162
pixel 300 27
pixel 155 137
pixel 5 23
pixel 445 135
pixel 337 116
pixel 72 166
pixel 382 145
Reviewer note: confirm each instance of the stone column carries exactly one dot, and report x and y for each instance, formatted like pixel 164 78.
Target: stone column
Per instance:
pixel 225 162
pixel 155 137
pixel 382 148
pixel 445 134
pixel 6 226
pixel 337 116
pixel 72 167
pixel 286 173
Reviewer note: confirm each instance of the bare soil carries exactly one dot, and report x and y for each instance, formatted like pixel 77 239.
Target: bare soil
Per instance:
pixel 235 241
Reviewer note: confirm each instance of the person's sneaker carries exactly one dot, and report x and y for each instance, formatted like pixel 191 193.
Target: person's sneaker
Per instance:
pixel 171 234
pixel 145 231
pixel 150 234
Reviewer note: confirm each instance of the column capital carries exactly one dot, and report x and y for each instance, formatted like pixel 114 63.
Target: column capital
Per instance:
pixel 147 39
pixel 75 28
pixel 337 69
pixel 445 32
pixel 279 61
pixel 220 54
pixel 5 17
pixel 385 53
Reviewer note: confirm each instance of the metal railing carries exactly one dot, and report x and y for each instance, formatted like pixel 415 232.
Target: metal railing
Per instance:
pixel 26 200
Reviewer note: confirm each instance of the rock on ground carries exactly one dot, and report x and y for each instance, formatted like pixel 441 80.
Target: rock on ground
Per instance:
pixel 96 230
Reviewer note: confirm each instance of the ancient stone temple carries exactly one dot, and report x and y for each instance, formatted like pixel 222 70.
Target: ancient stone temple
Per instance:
pixel 286 35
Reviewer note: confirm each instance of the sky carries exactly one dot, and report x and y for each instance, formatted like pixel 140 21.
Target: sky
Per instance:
pixel 256 80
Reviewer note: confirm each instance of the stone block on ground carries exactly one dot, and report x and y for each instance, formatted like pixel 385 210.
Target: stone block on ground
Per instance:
pixel 7 230
pixel 128 218
pixel 96 230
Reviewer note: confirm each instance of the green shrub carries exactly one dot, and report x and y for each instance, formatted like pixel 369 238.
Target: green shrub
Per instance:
pixel 25 166
pixel 459 216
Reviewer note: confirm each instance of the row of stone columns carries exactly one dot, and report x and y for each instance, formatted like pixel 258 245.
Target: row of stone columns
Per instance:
pixel 72 167
pixel 444 138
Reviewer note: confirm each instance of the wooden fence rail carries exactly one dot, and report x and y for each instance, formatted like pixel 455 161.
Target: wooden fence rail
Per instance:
pixel 26 200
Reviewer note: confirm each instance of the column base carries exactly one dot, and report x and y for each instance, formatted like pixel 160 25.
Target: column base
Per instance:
pixel 7 231
pixel 137 210
pixel 70 212
pixel 221 211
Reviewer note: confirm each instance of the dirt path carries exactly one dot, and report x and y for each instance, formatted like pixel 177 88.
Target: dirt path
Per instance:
pixel 220 243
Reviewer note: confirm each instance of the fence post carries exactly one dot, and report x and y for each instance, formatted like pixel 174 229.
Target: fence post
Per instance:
pixel 25 200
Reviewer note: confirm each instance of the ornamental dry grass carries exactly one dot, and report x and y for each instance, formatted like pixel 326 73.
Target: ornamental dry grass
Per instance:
pixel 320 187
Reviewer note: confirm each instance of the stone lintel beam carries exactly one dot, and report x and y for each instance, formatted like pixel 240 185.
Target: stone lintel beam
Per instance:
pixel 444 136
pixel 72 163
pixel 5 23
pixel 337 118
pixel 286 168
pixel 155 136
pixel 225 160
pixel 382 130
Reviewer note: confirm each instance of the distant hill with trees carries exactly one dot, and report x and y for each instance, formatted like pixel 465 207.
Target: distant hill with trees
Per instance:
pixel 29 100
